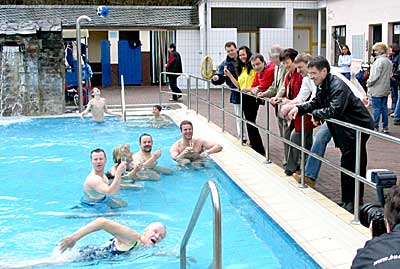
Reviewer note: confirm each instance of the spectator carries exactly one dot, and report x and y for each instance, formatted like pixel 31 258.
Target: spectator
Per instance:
pixel 174 65
pixel 379 85
pixel 344 62
pixel 231 64
pixel 334 99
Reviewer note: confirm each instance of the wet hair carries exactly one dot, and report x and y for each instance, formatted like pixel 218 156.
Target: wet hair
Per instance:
pixel 348 50
pixel 230 43
pixel 144 134
pixel 392 206
pixel 172 46
pixel 98 150
pixel 184 123
pixel 289 54
pixel 158 107
pixel 120 152
pixel 303 58
pixel 320 62
pixel 257 56
pixel 247 64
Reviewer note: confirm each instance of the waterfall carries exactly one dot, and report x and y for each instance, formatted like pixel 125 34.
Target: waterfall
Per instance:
pixel 11 80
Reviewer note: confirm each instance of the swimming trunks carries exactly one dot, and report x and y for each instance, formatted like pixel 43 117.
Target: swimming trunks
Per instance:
pixel 99 205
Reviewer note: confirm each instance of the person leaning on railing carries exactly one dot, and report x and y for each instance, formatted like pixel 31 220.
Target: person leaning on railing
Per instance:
pixel 335 100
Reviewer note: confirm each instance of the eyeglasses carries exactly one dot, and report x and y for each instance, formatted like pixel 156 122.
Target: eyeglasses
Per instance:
pixel 311 75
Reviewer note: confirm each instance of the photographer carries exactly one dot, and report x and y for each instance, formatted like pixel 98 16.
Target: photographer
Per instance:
pixel 383 252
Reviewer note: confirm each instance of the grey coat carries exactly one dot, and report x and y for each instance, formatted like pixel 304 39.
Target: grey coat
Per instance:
pixel 379 80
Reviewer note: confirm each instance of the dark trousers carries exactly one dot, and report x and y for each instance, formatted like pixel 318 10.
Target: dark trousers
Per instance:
pixel 174 86
pixel 250 110
pixel 348 161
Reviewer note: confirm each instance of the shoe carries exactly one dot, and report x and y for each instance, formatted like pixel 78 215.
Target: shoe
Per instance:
pixel 385 130
pixel 349 207
pixel 288 173
pixel 179 97
pixel 307 180
pixel 396 122
pixel 392 115
pixel 172 100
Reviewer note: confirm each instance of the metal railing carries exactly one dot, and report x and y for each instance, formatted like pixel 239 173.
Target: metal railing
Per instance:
pixel 208 188
pixel 123 105
pixel 267 132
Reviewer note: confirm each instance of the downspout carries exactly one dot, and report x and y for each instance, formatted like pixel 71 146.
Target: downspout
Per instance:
pixel 205 29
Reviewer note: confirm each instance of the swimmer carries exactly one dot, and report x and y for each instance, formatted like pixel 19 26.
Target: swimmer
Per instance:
pixel 159 120
pixel 123 154
pixel 189 149
pixel 149 159
pixel 98 107
pixel 96 187
pixel 123 242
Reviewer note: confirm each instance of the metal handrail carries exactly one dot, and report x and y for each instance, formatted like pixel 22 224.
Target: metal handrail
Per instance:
pixel 123 105
pixel 266 130
pixel 209 187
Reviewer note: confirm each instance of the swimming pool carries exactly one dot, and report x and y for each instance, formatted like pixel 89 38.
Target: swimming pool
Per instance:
pixel 43 163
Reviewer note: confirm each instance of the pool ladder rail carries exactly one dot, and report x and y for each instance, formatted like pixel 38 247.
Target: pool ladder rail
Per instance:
pixel 208 188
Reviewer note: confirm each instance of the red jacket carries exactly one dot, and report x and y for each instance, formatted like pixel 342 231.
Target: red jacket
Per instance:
pixel 292 86
pixel 265 79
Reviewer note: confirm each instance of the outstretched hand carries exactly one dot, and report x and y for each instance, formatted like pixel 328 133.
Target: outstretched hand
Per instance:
pixel 66 243
pixel 293 113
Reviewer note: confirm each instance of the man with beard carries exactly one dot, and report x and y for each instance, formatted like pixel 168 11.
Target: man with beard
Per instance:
pixel 150 170
pixel 189 149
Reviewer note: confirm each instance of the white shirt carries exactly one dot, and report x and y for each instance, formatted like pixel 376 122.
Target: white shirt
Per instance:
pixel 307 88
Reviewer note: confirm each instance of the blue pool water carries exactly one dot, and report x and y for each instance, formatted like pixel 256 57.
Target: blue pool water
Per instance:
pixel 43 163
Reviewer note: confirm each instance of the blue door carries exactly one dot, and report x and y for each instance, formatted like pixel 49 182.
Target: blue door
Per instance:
pixel 105 63
pixel 129 63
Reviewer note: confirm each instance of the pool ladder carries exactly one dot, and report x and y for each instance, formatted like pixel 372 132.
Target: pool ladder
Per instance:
pixel 209 187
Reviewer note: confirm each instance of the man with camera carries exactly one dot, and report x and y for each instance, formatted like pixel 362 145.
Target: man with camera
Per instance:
pixel 383 251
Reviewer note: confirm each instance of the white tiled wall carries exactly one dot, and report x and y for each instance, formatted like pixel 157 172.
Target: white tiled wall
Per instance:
pixel 217 37
pixel 188 45
pixel 275 36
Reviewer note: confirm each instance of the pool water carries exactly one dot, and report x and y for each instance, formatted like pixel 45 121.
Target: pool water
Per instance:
pixel 43 163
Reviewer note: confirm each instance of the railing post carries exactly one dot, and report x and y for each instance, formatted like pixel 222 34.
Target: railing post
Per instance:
pixel 79 53
pixel 267 159
pixel 302 163
pixel 197 96
pixel 159 92
pixel 189 102
pixel 208 102
pixel 223 108
pixel 241 117
pixel 356 219
pixel 123 105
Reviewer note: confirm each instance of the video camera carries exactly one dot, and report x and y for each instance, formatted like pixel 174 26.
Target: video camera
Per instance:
pixel 374 213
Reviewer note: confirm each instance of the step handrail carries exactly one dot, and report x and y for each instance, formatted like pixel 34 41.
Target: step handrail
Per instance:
pixel 123 105
pixel 208 188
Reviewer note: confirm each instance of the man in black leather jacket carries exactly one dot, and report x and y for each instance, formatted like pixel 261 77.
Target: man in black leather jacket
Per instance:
pixel 383 252
pixel 335 100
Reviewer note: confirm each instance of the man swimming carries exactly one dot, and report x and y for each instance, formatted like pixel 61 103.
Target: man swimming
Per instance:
pixel 189 149
pixel 98 107
pixel 96 187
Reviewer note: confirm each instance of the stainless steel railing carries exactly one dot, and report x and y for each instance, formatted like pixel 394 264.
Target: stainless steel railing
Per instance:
pixel 267 132
pixel 208 188
pixel 123 101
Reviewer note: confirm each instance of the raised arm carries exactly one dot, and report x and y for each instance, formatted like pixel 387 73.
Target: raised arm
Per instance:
pixel 123 233
pixel 103 187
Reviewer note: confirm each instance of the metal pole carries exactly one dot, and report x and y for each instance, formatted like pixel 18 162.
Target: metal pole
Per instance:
pixel 241 117
pixel 267 159
pixel 303 138
pixel 189 102
pixel 223 108
pixel 197 96
pixel 78 46
pixel 209 102
pixel 356 219
pixel 123 105
pixel 159 92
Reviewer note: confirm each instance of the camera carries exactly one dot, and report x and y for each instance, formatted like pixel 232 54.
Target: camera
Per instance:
pixel 373 214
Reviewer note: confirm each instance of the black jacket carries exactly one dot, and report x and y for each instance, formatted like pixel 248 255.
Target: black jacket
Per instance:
pixel 335 100
pixel 382 252
pixel 231 65
pixel 176 64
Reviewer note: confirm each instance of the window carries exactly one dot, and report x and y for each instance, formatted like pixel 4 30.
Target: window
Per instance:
pixel 339 39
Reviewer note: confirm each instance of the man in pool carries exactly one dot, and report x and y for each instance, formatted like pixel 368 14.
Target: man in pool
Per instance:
pixel 97 190
pixel 159 120
pixel 148 159
pixel 125 239
pixel 98 107
pixel 189 149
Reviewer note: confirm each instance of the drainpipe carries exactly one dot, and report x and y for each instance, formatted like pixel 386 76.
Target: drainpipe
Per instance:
pixel 205 28
pixel 78 45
